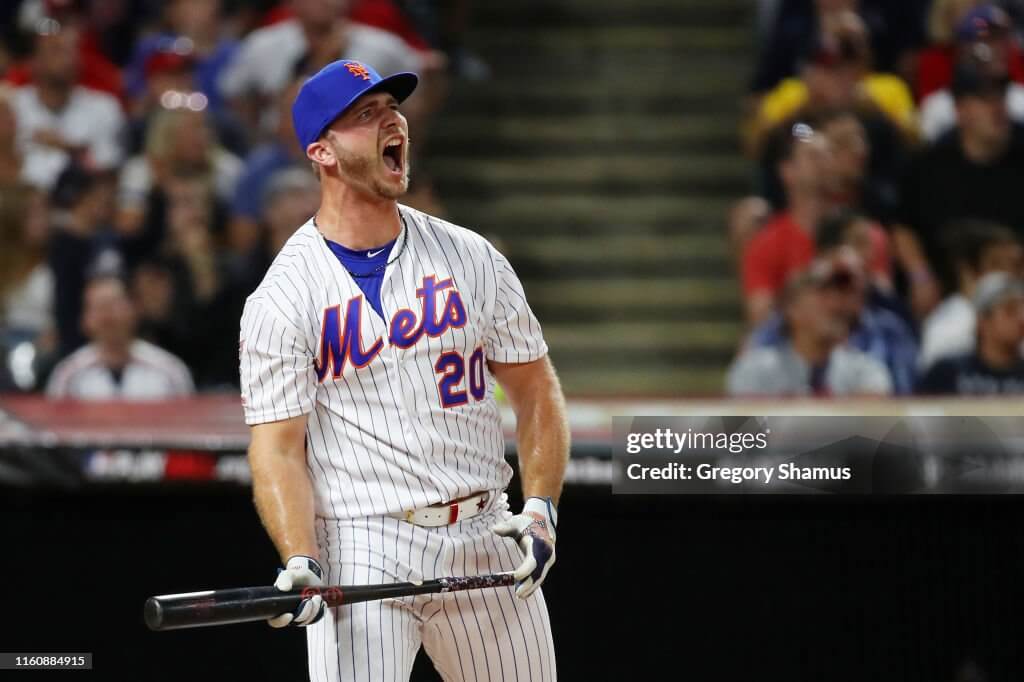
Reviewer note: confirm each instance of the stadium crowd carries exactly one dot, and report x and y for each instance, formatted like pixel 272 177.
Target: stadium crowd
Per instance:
pixel 881 252
pixel 149 172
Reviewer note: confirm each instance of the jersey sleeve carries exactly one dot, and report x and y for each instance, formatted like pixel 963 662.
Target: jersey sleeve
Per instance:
pixel 515 334
pixel 276 367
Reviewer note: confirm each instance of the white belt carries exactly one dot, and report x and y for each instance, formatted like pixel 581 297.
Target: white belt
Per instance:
pixel 445 514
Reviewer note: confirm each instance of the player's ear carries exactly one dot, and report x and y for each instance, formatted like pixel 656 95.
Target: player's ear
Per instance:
pixel 320 153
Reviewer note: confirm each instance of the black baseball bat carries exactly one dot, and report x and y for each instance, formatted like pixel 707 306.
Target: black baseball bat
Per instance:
pixel 245 604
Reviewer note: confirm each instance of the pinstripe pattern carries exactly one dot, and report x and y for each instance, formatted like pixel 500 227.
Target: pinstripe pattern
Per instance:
pixel 485 635
pixel 379 439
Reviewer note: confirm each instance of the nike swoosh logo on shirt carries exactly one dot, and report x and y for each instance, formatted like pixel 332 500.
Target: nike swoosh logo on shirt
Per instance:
pixel 371 254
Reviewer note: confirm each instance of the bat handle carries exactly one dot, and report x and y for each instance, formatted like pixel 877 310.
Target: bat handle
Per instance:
pixel 476 582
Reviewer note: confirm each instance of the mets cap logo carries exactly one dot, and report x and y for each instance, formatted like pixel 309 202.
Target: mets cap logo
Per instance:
pixel 358 70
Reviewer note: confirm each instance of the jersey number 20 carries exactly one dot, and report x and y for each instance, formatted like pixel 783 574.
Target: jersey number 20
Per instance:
pixel 453 369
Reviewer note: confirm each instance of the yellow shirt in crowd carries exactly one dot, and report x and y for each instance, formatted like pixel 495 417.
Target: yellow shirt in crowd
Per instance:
pixel 887 92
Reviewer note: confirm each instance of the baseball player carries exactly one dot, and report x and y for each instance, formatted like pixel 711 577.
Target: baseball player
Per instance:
pixel 369 356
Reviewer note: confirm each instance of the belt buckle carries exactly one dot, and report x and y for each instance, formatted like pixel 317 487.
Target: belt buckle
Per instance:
pixel 410 515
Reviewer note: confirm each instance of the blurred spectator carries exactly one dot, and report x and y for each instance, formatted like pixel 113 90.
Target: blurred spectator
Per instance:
pixel 868 327
pixel 318 34
pixel 169 75
pixel 10 157
pixel 953 37
pixel 785 245
pixel 281 152
pixel 986 35
pixel 115 364
pixel 850 228
pixel 812 359
pixel 110 28
pixel 850 151
pixel 94 69
pixel 187 286
pixel 435 29
pixel 290 198
pixel 161 198
pixel 59 120
pixel 836 74
pixel 179 141
pixel 975 249
pixel 26 281
pixel 895 28
pixel 935 60
pixel 192 30
pixel 869 155
pixel 415 23
pixel 746 218
pixel 995 366
pixel 974 172
pixel 863 174
pixel 80 243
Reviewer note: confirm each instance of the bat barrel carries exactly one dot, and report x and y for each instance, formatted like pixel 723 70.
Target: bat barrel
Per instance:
pixel 217 607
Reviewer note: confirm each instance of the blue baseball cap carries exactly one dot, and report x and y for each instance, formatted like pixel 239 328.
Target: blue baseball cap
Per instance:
pixel 333 89
pixel 984 21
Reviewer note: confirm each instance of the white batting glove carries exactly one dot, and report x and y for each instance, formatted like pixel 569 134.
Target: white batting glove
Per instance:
pixel 534 530
pixel 300 571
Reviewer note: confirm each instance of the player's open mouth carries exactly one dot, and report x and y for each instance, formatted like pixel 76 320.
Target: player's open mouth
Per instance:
pixel 392 155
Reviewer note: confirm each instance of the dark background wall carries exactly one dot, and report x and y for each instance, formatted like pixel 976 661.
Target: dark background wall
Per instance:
pixel 658 588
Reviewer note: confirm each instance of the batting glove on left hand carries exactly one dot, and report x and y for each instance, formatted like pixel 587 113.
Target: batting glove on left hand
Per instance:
pixel 300 571
pixel 534 530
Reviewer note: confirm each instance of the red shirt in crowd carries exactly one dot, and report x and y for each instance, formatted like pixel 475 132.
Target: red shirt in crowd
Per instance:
pixel 782 248
pixel 935 68
pixel 382 14
pixel 778 250
pixel 95 71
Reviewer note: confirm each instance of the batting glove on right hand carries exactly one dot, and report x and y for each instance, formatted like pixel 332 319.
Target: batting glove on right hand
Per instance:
pixel 300 571
pixel 534 530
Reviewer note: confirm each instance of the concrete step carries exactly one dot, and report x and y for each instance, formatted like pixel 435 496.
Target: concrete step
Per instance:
pixel 602 156
pixel 633 257
pixel 643 72
pixel 502 40
pixel 643 337
pixel 703 176
pixel 593 6
pixel 638 311
pixel 574 12
pixel 649 84
pixel 610 292
pixel 643 249
pixel 516 215
pixel 474 136
pixel 623 380
pixel 510 103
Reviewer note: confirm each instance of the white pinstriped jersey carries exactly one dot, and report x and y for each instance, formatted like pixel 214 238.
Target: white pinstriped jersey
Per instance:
pixel 401 409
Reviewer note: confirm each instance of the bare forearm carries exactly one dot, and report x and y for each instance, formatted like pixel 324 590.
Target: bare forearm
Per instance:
pixel 283 495
pixel 542 431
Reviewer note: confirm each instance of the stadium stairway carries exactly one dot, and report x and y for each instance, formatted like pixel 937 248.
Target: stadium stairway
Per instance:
pixel 602 155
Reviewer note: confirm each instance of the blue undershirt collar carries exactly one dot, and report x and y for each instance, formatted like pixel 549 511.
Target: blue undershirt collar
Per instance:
pixel 367 268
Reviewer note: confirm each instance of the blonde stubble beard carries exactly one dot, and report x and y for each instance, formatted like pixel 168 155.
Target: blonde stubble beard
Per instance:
pixel 360 170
